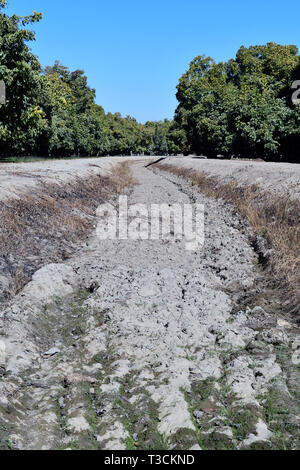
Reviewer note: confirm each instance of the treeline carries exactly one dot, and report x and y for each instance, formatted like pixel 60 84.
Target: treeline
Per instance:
pixel 242 107
pixel 52 111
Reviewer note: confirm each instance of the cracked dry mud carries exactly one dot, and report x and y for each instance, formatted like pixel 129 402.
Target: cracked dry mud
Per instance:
pixel 141 345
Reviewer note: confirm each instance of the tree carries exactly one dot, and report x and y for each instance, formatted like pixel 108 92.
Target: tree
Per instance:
pixel 21 118
pixel 242 106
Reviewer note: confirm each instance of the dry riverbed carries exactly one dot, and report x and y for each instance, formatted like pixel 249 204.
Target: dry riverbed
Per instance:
pixel 145 345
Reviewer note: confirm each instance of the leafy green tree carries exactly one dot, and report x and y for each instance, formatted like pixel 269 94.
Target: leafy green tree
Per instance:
pixel 21 119
pixel 264 76
pixel 242 106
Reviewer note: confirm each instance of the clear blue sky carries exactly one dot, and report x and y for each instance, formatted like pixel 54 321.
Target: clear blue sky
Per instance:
pixel 134 51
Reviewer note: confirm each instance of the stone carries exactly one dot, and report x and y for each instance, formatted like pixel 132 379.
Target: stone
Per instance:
pixel 4 282
pixel 77 378
pixel 262 434
pixel 5 405
pixel 195 447
pixel 275 337
pixel 61 403
pixel 51 352
pixel 48 283
pixel 2 353
pixel 283 323
pixel 78 424
pixel 198 414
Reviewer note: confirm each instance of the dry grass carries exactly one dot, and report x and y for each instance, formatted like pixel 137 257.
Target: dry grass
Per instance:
pixel 43 225
pixel 275 221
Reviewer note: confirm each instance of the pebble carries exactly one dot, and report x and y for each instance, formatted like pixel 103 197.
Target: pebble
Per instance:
pixel 198 414
pixel 52 352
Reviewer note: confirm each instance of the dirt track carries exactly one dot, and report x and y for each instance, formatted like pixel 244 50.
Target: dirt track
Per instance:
pixel 283 177
pixel 149 345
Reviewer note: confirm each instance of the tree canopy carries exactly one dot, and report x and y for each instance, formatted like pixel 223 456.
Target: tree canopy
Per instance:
pixel 52 111
pixel 240 107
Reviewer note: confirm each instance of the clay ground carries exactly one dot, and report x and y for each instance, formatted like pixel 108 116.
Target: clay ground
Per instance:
pixel 140 344
pixel 15 177
pixel 278 177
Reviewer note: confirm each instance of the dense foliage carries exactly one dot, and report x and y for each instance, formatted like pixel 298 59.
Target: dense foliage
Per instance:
pixel 52 112
pixel 242 107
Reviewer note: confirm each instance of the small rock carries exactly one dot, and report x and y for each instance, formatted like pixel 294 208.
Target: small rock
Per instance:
pixel 61 403
pixel 296 358
pixel 195 447
pixel 5 405
pixel 51 352
pixel 53 280
pixel 172 447
pixel 77 378
pixel 262 434
pixel 198 414
pixel 259 347
pixel 135 437
pixel 79 424
pixel 283 323
pixel 2 353
pixel 259 319
pixel 296 344
pixel 259 311
pixel 4 282
pixel 275 337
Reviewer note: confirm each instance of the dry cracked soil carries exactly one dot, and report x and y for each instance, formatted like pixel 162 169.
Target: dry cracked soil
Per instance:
pixel 142 344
